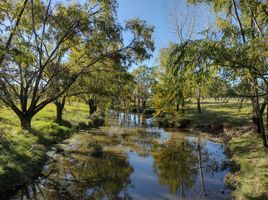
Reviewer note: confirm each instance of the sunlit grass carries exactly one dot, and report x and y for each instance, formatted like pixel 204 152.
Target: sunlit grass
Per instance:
pixel 230 112
pixel 248 151
pixel 23 153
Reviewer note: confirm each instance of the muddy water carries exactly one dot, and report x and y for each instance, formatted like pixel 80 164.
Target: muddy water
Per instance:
pixel 137 162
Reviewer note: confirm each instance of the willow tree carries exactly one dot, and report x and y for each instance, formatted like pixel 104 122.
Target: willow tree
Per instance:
pixel 183 74
pixel 241 49
pixel 37 34
pixel 167 93
pixel 192 70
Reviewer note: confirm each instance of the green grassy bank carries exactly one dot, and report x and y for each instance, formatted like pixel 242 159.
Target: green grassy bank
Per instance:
pixel 251 181
pixel 23 154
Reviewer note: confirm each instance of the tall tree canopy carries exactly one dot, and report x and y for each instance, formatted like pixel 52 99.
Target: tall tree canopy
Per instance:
pixel 240 49
pixel 42 39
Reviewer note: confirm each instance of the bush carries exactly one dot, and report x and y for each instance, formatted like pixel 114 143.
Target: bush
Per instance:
pixel 149 111
pixel 66 123
pixel 172 120
pixel 166 120
pixel 90 123
pixel 97 120
pixel 57 131
pixel 82 126
pixel 95 149
pixel 230 180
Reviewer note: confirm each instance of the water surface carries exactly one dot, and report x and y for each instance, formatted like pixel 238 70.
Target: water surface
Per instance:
pixel 138 162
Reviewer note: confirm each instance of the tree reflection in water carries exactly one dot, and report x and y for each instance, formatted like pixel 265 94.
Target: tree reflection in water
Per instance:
pixel 167 165
pixel 175 165
pixel 72 178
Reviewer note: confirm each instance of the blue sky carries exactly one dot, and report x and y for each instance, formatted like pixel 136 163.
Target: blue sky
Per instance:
pixel 156 12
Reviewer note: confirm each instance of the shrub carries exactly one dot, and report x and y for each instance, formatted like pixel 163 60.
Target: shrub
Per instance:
pixel 57 131
pixel 97 120
pixel 82 126
pixel 95 149
pixel 149 111
pixel 230 181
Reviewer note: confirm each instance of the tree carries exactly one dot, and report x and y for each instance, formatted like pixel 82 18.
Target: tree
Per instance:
pixel 241 49
pixel 44 33
pixel 168 93
pixel 184 74
pixel 192 70
pixel 144 78
pixel 98 84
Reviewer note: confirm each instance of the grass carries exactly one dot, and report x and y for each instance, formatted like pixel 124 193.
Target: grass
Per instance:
pixel 221 113
pixel 22 153
pixel 252 179
pixel 214 112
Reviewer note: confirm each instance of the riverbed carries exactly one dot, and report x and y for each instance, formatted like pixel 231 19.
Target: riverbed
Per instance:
pixel 132 160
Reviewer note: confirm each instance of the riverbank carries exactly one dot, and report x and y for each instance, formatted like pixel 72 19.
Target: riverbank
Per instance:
pixel 230 123
pixel 251 179
pixel 118 161
pixel 23 154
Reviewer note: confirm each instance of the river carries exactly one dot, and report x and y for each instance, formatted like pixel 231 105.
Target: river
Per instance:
pixel 131 160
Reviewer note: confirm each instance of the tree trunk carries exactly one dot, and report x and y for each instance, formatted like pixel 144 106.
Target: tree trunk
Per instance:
pixel 265 144
pixel 59 113
pixel 25 122
pixel 257 119
pixel 143 104
pixel 92 106
pixel 182 105
pixel 59 108
pixel 198 104
pixel 256 124
pixel 134 101
pixel 178 107
pixel 125 104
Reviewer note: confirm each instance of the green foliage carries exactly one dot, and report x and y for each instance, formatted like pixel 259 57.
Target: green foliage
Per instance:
pixel 166 92
pixel 95 149
pixel 56 131
pixel 104 87
pixel 144 79
pixel 183 74
pixel 48 45
pixel 97 120
pixel 230 181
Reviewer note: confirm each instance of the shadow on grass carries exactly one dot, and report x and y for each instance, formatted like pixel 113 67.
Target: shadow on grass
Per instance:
pixel 23 154
pixel 219 117
pixel 20 160
pixel 7 122
pixel 261 197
